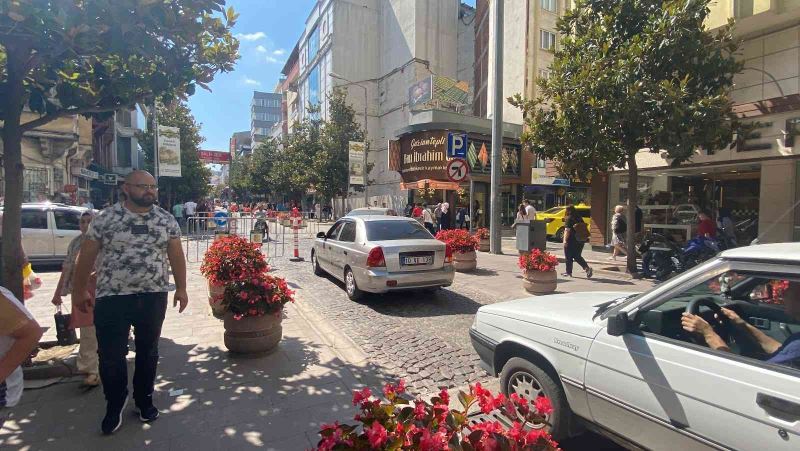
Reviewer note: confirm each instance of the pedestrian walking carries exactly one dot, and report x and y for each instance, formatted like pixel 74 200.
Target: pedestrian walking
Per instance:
pixel 576 234
pixel 530 211
pixel 87 351
pixel 427 219
pixel 136 241
pixel 189 210
pixel 86 203
pixel 416 213
pixel 522 216
pixel 461 217
pixel 19 335
pixel 177 212
pixel 445 221
pixel 476 207
pixel 618 229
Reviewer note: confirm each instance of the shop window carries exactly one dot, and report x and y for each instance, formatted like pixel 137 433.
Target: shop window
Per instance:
pixel 549 5
pixel 124 118
pixel 792 129
pixel 34 184
pixel 123 151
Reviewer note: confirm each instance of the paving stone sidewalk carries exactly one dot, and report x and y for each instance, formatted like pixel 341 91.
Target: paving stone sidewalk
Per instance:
pixel 209 399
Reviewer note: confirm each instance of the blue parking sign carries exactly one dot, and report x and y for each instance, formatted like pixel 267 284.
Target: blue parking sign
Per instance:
pixel 457 145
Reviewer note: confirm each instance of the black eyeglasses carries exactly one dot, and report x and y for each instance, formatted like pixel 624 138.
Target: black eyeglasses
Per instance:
pixel 144 186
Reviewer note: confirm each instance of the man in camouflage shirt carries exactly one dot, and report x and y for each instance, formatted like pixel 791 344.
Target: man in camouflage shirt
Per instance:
pixel 136 239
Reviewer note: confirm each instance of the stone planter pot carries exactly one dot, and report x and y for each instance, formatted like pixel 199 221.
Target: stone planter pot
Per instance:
pixel 539 282
pixel 483 245
pixel 216 292
pixel 253 334
pixel 465 261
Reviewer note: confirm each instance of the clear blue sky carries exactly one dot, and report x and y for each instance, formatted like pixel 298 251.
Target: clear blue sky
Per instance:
pixel 267 32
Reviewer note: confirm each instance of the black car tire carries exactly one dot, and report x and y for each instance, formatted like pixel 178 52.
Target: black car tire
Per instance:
pixel 351 288
pixel 315 264
pixel 517 369
pixel 559 236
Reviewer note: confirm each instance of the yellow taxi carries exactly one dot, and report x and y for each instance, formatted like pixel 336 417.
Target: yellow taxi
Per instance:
pixel 555 216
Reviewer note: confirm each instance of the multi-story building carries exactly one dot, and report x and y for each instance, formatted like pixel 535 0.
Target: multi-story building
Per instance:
pixel 291 98
pixel 377 50
pixel 265 111
pixel 55 156
pixel 115 150
pixel 758 179
pixel 240 144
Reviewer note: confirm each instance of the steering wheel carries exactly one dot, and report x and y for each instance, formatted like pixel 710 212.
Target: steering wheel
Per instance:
pixel 719 323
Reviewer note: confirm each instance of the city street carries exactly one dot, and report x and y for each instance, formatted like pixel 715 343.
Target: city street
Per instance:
pixel 331 346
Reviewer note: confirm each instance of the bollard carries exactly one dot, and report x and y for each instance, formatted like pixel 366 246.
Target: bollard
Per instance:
pixel 296 239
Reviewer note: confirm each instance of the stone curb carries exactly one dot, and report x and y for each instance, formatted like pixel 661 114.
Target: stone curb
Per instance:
pixel 48 370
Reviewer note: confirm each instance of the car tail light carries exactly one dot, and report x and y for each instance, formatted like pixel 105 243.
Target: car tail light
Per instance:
pixel 448 254
pixel 375 259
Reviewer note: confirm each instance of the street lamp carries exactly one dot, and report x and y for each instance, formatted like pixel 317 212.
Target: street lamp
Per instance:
pixel 366 148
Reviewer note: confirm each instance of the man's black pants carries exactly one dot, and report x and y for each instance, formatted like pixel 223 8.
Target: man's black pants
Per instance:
pixel 572 252
pixel 113 318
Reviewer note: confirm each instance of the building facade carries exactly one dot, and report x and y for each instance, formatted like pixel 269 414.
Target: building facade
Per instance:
pixel 265 111
pixel 240 144
pixel 757 180
pixel 115 153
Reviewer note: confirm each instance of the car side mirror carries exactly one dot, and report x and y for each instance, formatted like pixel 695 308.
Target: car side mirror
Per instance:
pixel 322 235
pixel 618 324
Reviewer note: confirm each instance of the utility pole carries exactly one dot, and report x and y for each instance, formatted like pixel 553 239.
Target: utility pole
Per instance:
pixel 155 140
pixel 495 240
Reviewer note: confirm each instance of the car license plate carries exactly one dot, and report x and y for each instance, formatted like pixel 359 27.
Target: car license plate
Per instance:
pixel 413 261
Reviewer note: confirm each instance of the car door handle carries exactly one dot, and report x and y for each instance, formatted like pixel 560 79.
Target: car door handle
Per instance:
pixel 61 236
pixel 779 408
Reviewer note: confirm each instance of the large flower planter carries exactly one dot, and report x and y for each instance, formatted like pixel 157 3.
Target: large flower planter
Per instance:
pixel 215 293
pixel 539 282
pixel 483 245
pixel 465 261
pixel 252 334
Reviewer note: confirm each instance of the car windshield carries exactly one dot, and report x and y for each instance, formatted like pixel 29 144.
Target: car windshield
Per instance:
pixel 554 210
pixel 396 230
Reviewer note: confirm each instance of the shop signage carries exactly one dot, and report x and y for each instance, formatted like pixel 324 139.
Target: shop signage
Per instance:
pixel 424 156
pixel 85 173
pixel 211 156
pixel 109 179
pixel 539 177
pixel 356 163
pixel 169 151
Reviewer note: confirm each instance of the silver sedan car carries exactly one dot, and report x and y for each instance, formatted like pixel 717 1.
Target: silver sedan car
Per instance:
pixel 378 254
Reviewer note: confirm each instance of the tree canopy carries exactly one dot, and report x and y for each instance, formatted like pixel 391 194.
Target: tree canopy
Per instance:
pixel 632 75
pixel 195 176
pixel 92 57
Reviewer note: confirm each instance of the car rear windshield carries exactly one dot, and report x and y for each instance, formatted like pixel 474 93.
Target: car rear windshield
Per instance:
pixel 366 213
pixel 396 230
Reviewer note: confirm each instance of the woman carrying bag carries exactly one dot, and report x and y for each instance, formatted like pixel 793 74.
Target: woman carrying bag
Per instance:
pixel 87 352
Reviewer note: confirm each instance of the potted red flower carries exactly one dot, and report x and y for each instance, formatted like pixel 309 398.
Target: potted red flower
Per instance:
pixel 463 246
pixel 230 259
pixel 395 424
pixel 253 313
pixel 482 235
pixel 539 271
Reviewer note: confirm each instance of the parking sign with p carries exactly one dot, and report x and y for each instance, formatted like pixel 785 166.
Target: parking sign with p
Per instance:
pixel 457 145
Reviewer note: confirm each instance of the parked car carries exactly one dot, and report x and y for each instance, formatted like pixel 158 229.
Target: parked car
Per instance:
pixel 555 219
pixel 372 211
pixel 378 254
pixel 47 229
pixel 621 364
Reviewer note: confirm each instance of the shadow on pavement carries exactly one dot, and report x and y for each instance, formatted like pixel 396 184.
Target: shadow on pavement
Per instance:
pixel 209 399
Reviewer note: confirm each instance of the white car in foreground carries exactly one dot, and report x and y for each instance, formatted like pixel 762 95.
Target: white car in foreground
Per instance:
pixel 623 365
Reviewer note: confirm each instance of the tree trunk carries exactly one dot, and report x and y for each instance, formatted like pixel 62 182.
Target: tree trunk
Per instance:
pixel 12 162
pixel 633 202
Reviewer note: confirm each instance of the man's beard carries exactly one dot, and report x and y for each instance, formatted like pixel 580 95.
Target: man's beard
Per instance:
pixel 143 201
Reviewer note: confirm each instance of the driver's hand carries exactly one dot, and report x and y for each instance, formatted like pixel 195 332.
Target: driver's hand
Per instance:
pixel 735 319
pixel 696 324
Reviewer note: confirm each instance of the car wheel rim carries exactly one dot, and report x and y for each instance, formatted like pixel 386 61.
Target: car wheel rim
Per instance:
pixel 526 386
pixel 351 283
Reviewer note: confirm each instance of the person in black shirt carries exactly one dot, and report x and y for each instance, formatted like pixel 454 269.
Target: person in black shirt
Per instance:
pixel 575 235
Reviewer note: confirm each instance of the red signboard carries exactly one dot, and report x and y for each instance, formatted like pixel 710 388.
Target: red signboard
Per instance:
pixel 211 156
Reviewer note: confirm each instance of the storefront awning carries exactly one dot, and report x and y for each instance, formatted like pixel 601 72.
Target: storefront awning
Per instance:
pixel 432 184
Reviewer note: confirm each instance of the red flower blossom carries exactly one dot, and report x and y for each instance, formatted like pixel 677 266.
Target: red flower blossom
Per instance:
pixel 537 260
pixel 377 435
pixel 444 396
pixel 362 395
pixel 420 411
pixel 543 405
pixel 459 240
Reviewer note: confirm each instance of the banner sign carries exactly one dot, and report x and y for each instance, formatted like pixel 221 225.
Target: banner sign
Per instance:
pixel 394 155
pixel 356 164
pixel 540 177
pixel 169 151
pixel 212 156
pixel 424 156
pixel 420 93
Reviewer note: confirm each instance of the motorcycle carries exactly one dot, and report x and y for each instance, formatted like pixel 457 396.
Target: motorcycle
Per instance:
pixel 662 256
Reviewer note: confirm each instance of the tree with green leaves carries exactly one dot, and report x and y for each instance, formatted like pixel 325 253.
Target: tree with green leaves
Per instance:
pixel 195 176
pixel 261 162
pixel 239 176
pixel 61 58
pixel 631 76
pixel 292 172
pixel 330 164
